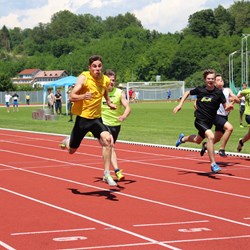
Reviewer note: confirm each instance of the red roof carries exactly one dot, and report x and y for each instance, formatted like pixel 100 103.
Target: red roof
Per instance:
pixel 28 71
pixel 50 73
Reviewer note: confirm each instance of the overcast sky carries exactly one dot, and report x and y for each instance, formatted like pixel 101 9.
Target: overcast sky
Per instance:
pixel 161 15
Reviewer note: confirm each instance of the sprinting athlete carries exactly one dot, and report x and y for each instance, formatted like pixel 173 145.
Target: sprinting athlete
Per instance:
pixel 208 101
pixel 223 128
pixel 113 118
pixel 86 96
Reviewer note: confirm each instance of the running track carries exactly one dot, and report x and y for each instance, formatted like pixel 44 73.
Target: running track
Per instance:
pixel 53 200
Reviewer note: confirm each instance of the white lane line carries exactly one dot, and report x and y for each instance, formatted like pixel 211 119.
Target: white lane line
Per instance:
pixel 134 197
pixel 133 175
pixel 143 162
pixel 209 239
pixel 54 231
pixel 91 219
pixel 112 246
pixel 175 241
pixel 122 141
pixel 6 246
pixel 171 223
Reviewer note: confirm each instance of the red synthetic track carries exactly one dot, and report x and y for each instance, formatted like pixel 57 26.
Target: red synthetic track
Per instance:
pixel 169 199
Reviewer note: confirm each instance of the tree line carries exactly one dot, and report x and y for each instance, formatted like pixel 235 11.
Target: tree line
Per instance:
pixel 135 53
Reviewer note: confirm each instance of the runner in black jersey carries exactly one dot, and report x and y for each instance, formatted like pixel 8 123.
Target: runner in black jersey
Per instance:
pixel 208 101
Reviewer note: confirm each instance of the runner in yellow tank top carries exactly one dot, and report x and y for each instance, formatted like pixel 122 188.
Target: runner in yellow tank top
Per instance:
pixel 87 99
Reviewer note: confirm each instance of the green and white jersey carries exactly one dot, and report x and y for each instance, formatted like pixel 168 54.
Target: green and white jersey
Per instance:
pixel 109 116
pixel 246 94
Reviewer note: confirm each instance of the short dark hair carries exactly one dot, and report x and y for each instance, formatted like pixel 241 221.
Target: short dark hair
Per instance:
pixel 94 58
pixel 110 72
pixel 207 72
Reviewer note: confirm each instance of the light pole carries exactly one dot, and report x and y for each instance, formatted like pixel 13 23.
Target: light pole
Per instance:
pixel 231 66
pixel 244 63
pixel 70 53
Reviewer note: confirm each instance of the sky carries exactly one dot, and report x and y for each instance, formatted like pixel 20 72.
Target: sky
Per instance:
pixel 161 15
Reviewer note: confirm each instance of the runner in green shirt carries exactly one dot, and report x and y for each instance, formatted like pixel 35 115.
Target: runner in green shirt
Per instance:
pixel 113 118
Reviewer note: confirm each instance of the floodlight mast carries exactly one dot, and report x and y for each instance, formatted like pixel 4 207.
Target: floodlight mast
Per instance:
pixel 244 58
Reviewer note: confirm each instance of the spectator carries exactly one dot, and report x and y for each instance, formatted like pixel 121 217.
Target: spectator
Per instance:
pixel 15 99
pixel 50 100
pixel 58 103
pixel 27 97
pixel 7 98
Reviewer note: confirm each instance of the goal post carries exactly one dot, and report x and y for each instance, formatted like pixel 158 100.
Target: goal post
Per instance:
pixel 161 90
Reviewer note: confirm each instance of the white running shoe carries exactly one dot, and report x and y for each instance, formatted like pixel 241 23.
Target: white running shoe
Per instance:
pixel 64 142
pixel 108 179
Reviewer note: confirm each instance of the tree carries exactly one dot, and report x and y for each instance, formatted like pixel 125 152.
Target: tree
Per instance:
pixel 5 41
pixel 5 83
pixel 120 22
pixel 203 23
pixel 224 20
pixel 241 12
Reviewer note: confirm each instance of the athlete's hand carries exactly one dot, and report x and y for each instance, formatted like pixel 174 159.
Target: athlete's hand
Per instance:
pixel 177 108
pixel 87 96
pixel 111 105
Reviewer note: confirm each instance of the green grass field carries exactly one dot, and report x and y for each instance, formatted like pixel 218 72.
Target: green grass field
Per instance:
pixel 149 122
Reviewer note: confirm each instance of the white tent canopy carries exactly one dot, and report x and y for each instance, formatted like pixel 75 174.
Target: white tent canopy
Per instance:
pixel 63 82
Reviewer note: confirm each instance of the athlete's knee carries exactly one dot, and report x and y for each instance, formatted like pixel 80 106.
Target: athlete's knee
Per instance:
pixel 106 139
pixel 230 128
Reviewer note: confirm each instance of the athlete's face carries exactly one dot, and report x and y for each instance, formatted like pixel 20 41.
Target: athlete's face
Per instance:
pixel 112 83
pixel 210 78
pixel 219 83
pixel 96 69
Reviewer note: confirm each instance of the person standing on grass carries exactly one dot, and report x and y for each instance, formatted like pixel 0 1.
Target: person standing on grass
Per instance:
pixel 51 101
pixel 15 98
pixel 27 98
pixel 223 128
pixel 245 93
pixel 70 103
pixel 7 98
pixel 58 102
pixel 113 118
pixel 208 101
pixel 86 96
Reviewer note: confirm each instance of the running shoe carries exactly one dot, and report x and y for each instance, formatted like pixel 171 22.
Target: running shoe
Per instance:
pixel 119 175
pixel 241 125
pixel 64 142
pixel 215 168
pixel 222 153
pixel 203 149
pixel 108 179
pixel 179 141
pixel 240 145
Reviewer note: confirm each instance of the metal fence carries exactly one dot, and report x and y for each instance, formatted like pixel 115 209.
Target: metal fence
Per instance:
pixel 36 97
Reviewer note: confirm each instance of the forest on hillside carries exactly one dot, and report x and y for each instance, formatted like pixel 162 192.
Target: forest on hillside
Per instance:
pixel 135 53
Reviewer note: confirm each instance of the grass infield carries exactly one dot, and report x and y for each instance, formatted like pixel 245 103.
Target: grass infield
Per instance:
pixel 149 122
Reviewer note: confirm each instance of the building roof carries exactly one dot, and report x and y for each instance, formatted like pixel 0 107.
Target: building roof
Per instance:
pixel 28 71
pixel 50 73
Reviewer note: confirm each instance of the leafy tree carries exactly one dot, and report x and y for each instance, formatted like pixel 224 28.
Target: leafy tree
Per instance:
pixel 5 41
pixel 5 83
pixel 60 47
pixel 120 22
pixel 63 25
pixel 240 10
pixel 224 20
pixel 203 23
